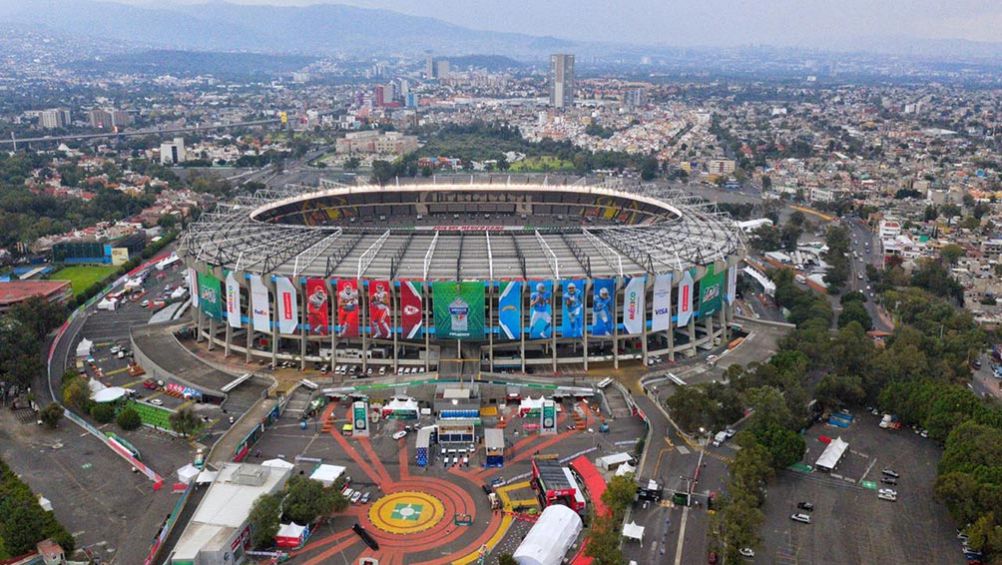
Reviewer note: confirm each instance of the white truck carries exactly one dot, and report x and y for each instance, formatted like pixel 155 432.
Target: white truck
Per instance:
pixel 719 439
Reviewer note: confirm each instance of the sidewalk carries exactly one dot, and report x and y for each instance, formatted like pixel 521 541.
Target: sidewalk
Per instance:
pixel 226 447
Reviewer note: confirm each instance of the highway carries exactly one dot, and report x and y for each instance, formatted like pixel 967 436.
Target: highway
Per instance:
pixel 158 131
pixel 866 250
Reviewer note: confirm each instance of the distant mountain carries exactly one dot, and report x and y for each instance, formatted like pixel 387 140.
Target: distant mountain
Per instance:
pixel 489 62
pixel 318 29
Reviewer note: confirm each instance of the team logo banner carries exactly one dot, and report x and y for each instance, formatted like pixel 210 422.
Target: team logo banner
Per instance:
pixel 288 305
pixel 633 306
pixel 459 310
pixel 603 304
pixel 210 295
pixel 318 306
pixel 232 300
pixel 380 316
pixel 348 307
pixel 510 309
pixel 260 305
pixel 732 284
pixel 411 314
pixel 661 298
pixel 541 310
pixel 193 286
pixel 572 308
pixel 710 292
pixel 685 299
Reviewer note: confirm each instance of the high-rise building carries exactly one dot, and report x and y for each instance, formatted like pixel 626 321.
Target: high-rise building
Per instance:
pixel 54 118
pixel 173 153
pixel 635 97
pixel 442 69
pixel 429 67
pixel 562 80
pixel 100 119
pixel 379 96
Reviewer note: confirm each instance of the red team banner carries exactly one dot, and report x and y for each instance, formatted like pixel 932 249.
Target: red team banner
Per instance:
pixel 410 308
pixel 317 307
pixel 380 317
pixel 347 307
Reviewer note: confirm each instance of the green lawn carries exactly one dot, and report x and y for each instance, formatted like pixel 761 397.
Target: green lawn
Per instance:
pixel 82 276
pixel 541 164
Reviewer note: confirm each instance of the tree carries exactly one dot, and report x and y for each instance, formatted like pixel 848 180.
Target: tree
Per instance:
pixel 786 447
pixel 51 415
pixel 128 419
pixel 951 252
pixel 854 311
pixel 306 500
pixel 620 493
pixel 102 412
pixel 264 520
pixel 75 394
pixel 603 545
pixel 506 559
pixel 184 421
pixel 21 526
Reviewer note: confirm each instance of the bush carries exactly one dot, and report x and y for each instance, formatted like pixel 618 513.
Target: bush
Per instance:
pixel 51 414
pixel 128 419
pixel 102 413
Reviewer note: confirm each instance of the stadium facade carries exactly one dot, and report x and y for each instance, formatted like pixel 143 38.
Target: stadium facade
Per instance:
pixel 458 277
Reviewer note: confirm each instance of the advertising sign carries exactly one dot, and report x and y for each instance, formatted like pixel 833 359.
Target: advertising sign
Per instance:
pixel 541 310
pixel 710 290
pixel 661 297
pixel 572 308
pixel 288 309
pixel 732 284
pixel 348 306
pixel 510 309
pixel 411 314
pixel 318 307
pixel 260 305
pixel 459 310
pixel 380 315
pixel 633 305
pixel 193 286
pixel 232 300
pixel 603 306
pixel 119 255
pixel 685 299
pixel 548 422
pixel 360 423
pixel 210 295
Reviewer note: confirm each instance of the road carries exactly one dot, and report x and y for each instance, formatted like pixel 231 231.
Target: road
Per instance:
pixel 159 131
pixel 866 251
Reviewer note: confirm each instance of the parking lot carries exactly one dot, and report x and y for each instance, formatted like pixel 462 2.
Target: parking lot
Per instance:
pixel 849 524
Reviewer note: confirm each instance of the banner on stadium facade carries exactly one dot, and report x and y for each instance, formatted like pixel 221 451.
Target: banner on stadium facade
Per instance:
pixel 380 314
pixel 348 306
pixel 260 305
pixel 572 308
pixel 685 299
pixel 732 284
pixel 459 310
pixel 633 305
pixel 510 309
pixel 232 300
pixel 411 312
pixel 603 307
pixel 318 307
pixel 710 290
pixel 288 305
pixel 209 295
pixel 540 309
pixel 661 303
pixel 193 286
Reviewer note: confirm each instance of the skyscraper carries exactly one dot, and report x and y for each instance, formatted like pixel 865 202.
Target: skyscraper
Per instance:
pixel 561 80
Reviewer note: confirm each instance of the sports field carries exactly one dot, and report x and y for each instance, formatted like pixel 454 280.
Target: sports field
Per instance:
pixel 82 276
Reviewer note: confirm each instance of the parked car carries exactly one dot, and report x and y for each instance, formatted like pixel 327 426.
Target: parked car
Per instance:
pixel 887 496
pixel 156 402
pixel 890 473
pixel 889 480
pixel 365 498
pixel 150 384
pixel 805 506
pixel 356 497
pixel 400 434
pixel 746 552
pixel 801 517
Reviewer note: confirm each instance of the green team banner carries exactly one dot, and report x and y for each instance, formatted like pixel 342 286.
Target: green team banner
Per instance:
pixel 210 295
pixel 711 291
pixel 459 310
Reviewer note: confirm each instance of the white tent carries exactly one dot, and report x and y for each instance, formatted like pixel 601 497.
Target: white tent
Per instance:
pixel 327 474
pixel 206 477
pixel 45 503
pixel 95 387
pixel 187 473
pixel 550 537
pixel 634 531
pixel 84 347
pixel 108 394
pixel 832 454
pixel 624 469
pixel 613 460
pixel 278 463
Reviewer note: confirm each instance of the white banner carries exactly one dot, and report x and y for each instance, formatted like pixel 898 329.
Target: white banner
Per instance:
pixel 193 287
pixel 288 306
pixel 261 306
pixel 633 306
pixel 661 320
pixel 232 300
pixel 732 284
pixel 685 289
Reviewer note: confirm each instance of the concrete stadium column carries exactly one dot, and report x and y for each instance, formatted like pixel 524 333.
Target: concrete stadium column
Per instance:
pixel 521 321
pixel 587 290
pixel 363 324
pixel 332 312
pixel 212 333
pixel 273 322
pixel 426 300
pixel 615 326
pixel 671 339
pixel 709 328
pixel 724 328
pixel 250 316
pixel 395 308
pixel 490 326
pixel 644 317
pixel 553 325
pixel 692 334
pixel 304 330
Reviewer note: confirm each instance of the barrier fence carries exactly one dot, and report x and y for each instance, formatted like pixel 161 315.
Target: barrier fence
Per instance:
pixel 168 526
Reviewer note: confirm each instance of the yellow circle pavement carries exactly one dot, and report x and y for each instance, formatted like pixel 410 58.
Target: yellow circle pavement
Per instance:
pixel 406 512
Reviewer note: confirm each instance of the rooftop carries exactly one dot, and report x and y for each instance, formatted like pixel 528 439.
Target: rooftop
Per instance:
pixel 17 291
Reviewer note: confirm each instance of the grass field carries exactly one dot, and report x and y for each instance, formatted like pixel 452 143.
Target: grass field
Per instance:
pixel 541 164
pixel 82 276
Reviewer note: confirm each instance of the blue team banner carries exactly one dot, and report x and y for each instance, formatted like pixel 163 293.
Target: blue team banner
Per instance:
pixel 572 308
pixel 603 304
pixel 541 310
pixel 510 309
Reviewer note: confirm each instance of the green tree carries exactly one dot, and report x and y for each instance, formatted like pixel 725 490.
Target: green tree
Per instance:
pixel 951 253
pixel 21 526
pixel 75 394
pixel 854 311
pixel 128 419
pixel 51 415
pixel 507 559
pixel 620 493
pixel 102 412
pixel 306 500
pixel 603 545
pixel 264 520
pixel 184 421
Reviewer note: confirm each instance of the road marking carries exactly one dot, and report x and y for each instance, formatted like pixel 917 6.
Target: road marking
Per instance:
pixel 681 449
pixel 681 536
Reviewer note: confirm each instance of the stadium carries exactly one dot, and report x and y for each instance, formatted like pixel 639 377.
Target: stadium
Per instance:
pixel 462 278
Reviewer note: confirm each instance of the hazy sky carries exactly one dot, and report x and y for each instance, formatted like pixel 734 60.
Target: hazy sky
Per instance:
pixel 707 22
